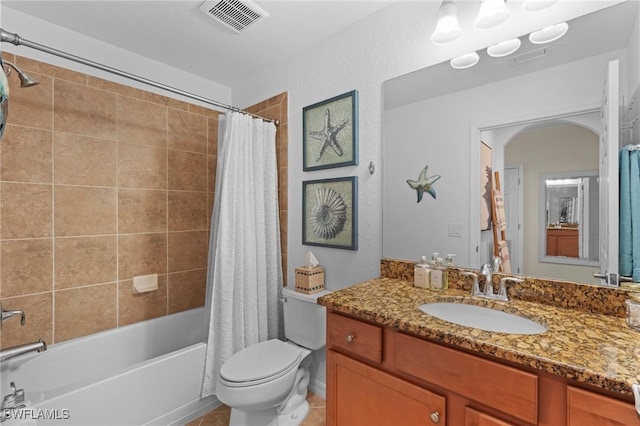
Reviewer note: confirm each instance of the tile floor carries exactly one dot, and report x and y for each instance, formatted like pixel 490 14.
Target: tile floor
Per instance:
pixel 220 416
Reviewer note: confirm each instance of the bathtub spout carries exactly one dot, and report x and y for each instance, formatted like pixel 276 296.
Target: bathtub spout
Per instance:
pixel 38 346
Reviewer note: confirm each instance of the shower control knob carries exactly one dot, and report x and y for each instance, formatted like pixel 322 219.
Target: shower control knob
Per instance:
pixel 435 417
pixel 349 338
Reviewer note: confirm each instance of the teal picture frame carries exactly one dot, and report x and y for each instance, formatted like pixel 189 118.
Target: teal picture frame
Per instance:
pixel 330 213
pixel 330 133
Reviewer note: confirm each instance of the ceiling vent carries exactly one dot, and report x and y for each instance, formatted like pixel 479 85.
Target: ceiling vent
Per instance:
pixel 530 55
pixel 234 14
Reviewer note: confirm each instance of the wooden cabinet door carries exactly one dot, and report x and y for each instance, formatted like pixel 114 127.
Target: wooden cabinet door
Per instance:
pixel 589 408
pixel 562 242
pixel 477 418
pixel 358 394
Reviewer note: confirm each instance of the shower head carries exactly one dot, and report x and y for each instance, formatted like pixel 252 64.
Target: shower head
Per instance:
pixel 25 79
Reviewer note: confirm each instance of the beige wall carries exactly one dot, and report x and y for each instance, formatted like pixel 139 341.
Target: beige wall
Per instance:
pixel 101 182
pixel 556 149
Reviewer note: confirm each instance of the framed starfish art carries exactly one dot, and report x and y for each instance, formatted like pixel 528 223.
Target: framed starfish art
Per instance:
pixel 330 132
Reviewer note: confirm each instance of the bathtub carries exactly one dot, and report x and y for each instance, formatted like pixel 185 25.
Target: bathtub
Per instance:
pixel 149 373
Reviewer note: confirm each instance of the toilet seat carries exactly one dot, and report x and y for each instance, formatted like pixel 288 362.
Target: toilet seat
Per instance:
pixel 260 363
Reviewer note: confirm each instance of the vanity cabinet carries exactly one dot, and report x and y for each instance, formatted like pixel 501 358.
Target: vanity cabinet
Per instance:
pixel 514 391
pixel 589 408
pixel 359 394
pixel 562 242
pixel 377 375
pixel 477 418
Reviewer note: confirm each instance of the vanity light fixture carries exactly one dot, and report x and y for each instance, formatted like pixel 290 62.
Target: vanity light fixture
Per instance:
pixel 504 48
pixel 448 28
pixel 549 34
pixel 465 61
pixel 491 13
pixel 537 5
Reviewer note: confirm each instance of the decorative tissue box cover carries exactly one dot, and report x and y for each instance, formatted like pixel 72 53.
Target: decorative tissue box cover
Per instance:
pixel 309 280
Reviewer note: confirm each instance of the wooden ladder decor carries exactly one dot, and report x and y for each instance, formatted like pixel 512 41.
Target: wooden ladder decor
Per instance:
pixel 499 220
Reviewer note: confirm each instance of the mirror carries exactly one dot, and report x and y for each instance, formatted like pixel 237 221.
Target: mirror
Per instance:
pixel 436 118
pixel 574 145
pixel 569 218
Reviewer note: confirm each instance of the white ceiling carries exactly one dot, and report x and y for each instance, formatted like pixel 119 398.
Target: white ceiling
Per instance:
pixel 177 33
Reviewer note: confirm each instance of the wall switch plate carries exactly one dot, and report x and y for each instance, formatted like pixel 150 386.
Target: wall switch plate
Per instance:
pixel 455 230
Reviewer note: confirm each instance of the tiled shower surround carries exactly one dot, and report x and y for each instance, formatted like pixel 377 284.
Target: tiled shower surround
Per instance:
pixel 101 182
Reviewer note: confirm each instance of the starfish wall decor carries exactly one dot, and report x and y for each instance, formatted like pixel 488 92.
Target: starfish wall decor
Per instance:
pixel 328 135
pixel 424 184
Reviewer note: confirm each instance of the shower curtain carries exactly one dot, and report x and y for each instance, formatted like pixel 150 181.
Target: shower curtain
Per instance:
pixel 630 212
pixel 244 278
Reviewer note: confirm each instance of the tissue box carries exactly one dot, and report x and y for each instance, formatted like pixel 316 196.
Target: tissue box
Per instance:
pixel 309 280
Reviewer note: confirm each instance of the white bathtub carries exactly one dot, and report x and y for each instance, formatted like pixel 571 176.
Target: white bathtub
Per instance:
pixel 146 373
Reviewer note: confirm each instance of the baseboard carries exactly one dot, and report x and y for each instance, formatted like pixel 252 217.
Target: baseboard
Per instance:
pixel 189 412
pixel 319 388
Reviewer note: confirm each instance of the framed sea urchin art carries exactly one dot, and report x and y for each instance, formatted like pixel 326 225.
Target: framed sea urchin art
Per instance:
pixel 330 213
pixel 330 133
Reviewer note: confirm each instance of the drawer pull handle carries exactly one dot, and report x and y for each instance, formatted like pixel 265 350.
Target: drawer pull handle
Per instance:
pixel 350 338
pixel 435 417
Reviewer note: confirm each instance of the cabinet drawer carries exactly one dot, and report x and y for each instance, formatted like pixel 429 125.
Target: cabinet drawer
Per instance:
pixel 589 408
pixel 355 337
pixel 504 388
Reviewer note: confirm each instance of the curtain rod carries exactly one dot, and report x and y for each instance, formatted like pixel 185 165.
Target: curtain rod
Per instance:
pixel 15 39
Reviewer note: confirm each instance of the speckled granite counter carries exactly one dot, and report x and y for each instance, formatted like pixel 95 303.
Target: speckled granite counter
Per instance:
pixel 600 350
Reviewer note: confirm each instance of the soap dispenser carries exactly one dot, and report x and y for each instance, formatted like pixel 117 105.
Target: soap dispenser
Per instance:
pixel 449 260
pixel 439 276
pixel 421 274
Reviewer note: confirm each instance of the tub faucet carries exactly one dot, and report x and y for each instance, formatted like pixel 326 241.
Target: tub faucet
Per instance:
pixel 8 314
pixel 13 401
pixel 39 346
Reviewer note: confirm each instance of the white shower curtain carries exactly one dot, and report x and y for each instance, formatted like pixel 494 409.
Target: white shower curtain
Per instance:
pixel 244 279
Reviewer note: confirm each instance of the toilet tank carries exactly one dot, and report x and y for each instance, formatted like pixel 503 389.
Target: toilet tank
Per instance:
pixel 305 322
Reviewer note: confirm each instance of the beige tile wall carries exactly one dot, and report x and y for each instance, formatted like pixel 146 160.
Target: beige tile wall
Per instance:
pixel 100 182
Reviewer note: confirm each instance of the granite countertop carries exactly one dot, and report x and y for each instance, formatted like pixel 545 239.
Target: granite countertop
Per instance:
pixel 597 349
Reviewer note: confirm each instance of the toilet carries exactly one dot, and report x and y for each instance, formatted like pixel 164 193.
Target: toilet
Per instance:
pixel 266 383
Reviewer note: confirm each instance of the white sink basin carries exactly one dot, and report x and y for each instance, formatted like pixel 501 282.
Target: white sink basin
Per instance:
pixel 483 318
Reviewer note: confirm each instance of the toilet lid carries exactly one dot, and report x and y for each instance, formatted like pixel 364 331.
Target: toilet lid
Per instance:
pixel 260 361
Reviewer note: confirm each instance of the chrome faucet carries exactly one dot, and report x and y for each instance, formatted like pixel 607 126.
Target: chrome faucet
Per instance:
pixel 475 287
pixel 497 264
pixel 502 290
pixel 8 314
pixel 39 346
pixel 13 401
pixel 487 271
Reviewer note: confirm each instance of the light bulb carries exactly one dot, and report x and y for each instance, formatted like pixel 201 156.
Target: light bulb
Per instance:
pixel 549 34
pixel 537 5
pixel 465 61
pixel 491 13
pixel 504 48
pixel 448 28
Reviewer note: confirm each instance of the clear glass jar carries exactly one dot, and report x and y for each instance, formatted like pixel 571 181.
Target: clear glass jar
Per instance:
pixel 632 306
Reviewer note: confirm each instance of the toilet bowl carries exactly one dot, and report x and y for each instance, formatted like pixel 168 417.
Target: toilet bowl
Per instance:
pixel 266 383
